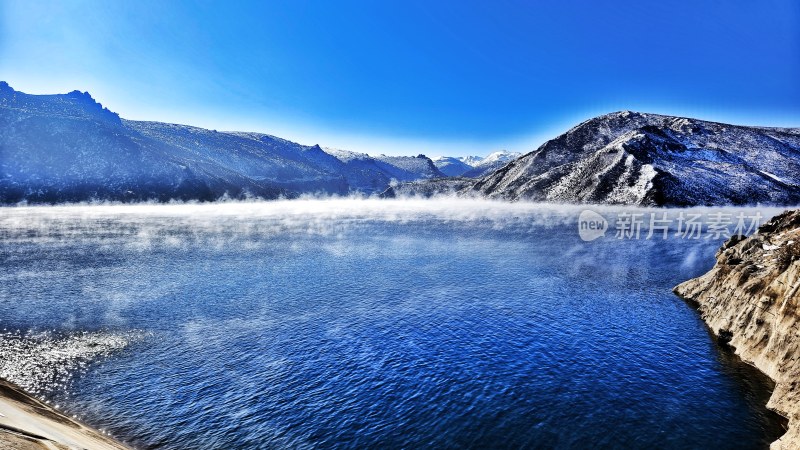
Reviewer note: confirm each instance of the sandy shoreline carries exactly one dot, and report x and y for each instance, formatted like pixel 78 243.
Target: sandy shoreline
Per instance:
pixel 27 423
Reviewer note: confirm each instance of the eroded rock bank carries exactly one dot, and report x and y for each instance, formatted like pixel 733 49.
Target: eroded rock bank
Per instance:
pixel 27 423
pixel 751 300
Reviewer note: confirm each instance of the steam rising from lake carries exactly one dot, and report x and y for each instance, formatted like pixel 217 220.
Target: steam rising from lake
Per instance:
pixel 246 224
pixel 408 311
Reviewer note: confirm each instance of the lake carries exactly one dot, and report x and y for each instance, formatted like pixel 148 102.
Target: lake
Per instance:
pixel 349 323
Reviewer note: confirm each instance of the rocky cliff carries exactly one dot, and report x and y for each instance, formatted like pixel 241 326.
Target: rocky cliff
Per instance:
pixel 751 300
pixel 29 424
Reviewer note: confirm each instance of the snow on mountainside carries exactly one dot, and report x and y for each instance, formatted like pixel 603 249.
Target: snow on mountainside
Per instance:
pixel 650 159
pixel 473 166
pixel 74 105
pixel 471 161
pixel 491 163
pixel 408 168
pixel 399 168
pixel 258 157
pixel 392 168
pixel 67 147
pixel 451 166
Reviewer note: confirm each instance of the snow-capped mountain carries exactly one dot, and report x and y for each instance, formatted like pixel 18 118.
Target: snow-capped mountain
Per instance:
pixel 491 163
pixel 473 166
pixel 648 159
pixel 452 166
pixel 651 159
pixel 67 147
pixel 471 161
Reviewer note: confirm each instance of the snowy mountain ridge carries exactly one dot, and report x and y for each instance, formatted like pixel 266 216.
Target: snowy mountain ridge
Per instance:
pixel 452 166
pixel 473 166
pixel 67 147
pixel 646 159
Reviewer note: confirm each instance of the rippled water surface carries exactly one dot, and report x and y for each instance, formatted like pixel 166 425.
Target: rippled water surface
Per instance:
pixel 366 324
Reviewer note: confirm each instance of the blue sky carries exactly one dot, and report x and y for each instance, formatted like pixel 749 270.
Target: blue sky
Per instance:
pixel 408 77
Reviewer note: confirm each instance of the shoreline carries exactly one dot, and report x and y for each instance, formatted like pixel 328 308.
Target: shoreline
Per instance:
pixel 782 443
pixel 750 300
pixel 722 341
pixel 27 424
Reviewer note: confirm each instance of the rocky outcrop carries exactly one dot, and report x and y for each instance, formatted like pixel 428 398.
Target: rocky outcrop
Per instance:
pixel 29 424
pixel 751 300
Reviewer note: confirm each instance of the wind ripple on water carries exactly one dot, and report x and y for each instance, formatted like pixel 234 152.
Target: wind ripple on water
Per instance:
pixel 43 362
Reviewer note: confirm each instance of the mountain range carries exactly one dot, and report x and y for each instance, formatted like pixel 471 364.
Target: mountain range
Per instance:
pixel 644 159
pixel 473 166
pixel 68 147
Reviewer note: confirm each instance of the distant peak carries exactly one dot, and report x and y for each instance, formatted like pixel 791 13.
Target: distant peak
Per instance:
pixel 5 87
pixel 499 153
pixel 625 113
pixel 76 94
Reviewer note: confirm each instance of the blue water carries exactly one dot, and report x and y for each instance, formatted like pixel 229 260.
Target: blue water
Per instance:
pixel 349 331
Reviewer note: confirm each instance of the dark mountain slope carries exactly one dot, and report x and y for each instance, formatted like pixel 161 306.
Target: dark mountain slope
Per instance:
pixel 650 159
pixel 67 147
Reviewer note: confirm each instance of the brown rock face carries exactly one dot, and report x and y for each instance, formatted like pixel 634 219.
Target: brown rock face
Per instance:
pixel 751 298
pixel 29 424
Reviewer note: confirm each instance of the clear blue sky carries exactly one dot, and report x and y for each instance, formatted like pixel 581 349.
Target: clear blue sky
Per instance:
pixel 434 77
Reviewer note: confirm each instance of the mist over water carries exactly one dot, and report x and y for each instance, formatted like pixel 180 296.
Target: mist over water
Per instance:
pixel 351 323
